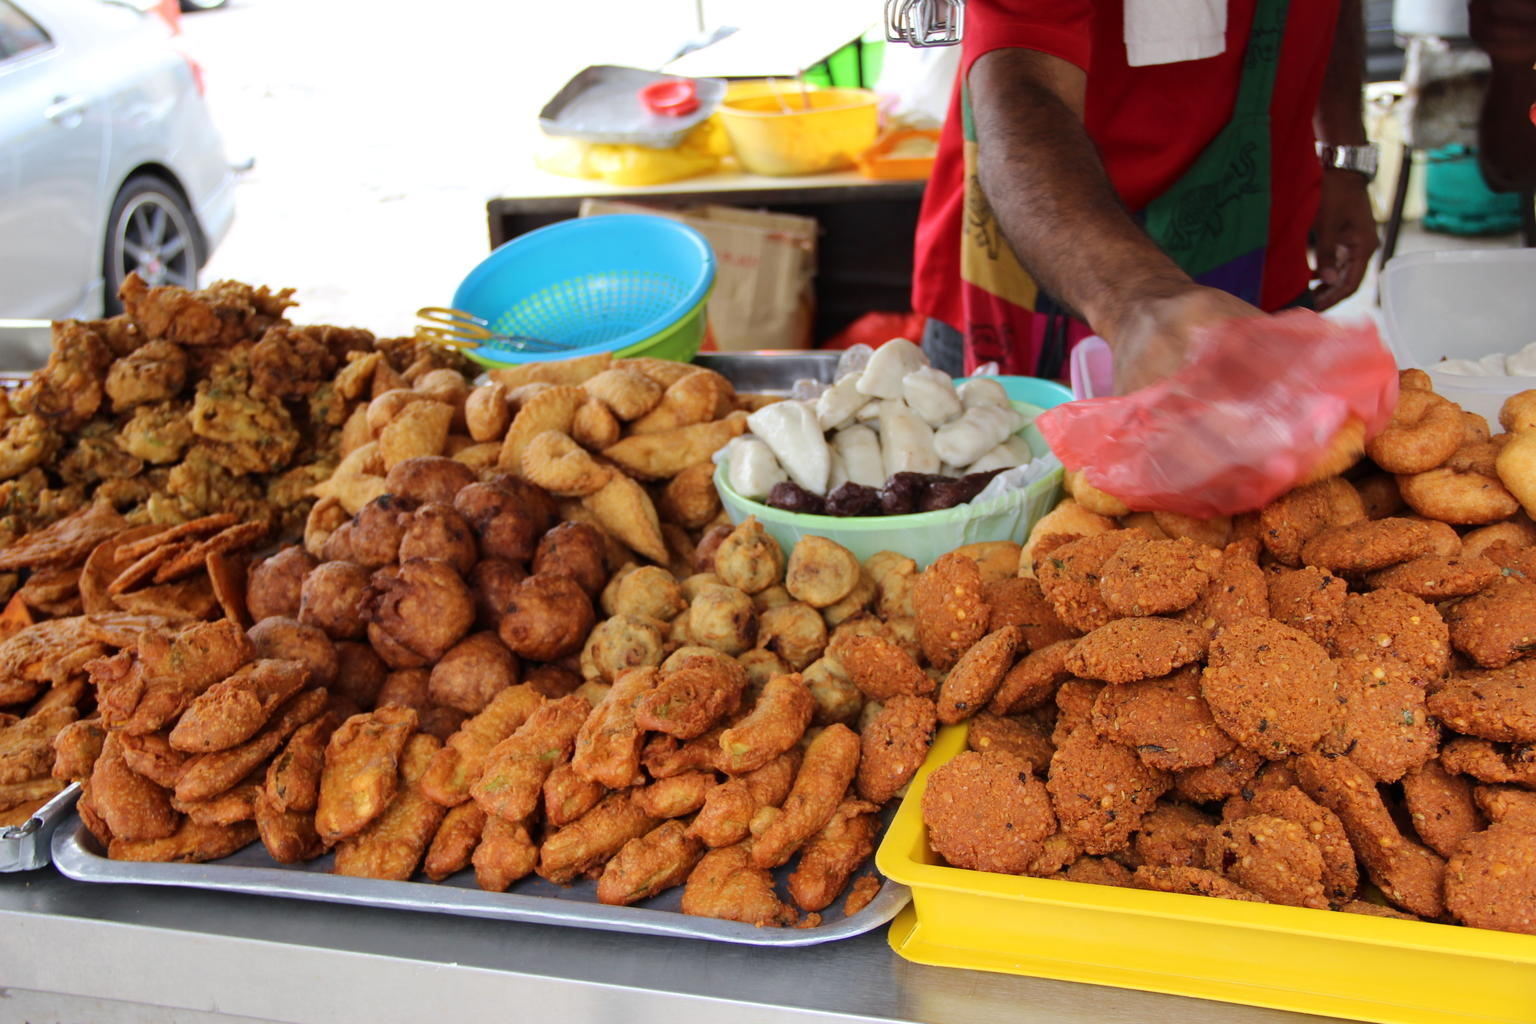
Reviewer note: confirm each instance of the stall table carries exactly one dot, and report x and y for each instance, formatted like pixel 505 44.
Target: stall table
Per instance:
pixel 134 953
pixel 864 254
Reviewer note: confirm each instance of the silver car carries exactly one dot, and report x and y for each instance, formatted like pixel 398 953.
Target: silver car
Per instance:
pixel 109 160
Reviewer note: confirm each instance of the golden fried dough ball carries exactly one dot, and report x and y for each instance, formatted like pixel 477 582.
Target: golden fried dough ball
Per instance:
pixel 333 597
pixel 620 643
pixel 436 531
pixel 359 673
pixel 649 592
pixel 492 582
pixel 747 558
pixel 821 572
pixel 373 540
pixel 487 412
pixel 292 640
pixel 508 524
pixel 273 585
pixel 472 672
pixel 418 612
pixel 428 478
pixel 722 617
pixel 547 617
pixel 575 550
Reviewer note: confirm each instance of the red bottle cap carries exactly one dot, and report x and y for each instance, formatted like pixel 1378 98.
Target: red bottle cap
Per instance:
pixel 672 97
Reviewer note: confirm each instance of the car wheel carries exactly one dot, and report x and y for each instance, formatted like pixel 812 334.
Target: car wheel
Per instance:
pixel 152 231
pixel 202 5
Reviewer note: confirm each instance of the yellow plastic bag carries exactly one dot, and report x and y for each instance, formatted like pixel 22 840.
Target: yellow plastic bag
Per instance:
pixel 698 153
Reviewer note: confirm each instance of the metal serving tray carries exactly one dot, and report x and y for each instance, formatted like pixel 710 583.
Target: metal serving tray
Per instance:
pixel 24 347
pixel 26 846
pixel 78 855
pixel 770 371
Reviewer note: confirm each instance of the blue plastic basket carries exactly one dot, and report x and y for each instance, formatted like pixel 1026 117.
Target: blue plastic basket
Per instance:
pixel 623 283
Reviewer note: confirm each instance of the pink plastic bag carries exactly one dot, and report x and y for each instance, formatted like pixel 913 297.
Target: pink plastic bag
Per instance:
pixel 1252 412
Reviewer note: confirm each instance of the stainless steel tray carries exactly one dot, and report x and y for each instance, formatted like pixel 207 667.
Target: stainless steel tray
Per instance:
pixel 26 846
pixel 602 104
pixel 770 371
pixel 24 346
pixel 78 855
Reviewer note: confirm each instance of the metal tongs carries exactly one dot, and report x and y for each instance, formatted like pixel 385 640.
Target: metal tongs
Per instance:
pixel 456 329
pixel 924 22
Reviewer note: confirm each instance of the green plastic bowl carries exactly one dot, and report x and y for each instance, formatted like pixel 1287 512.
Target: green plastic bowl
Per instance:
pixel 924 536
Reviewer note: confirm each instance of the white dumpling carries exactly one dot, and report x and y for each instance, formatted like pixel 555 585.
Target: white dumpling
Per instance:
pixel 931 394
pixel 859 448
pixel 1522 363
pixel 838 405
pixel 839 474
pixel 791 430
pixel 982 391
pixel 1460 367
pixel 975 433
pixel 1494 364
pixel 1001 457
pixel 752 468
pixel 906 442
pixel 890 363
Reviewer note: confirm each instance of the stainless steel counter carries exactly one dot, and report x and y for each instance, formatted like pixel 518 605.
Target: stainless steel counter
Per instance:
pixel 120 949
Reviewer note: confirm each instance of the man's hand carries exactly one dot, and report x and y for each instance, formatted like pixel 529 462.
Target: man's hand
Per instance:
pixel 1344 236
pixel 1153 340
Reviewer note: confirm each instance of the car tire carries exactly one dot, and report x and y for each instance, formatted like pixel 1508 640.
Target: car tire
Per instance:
pixel 202 5
pixel 152 230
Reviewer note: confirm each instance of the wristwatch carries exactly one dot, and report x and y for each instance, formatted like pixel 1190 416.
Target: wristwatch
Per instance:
pixel 1360 159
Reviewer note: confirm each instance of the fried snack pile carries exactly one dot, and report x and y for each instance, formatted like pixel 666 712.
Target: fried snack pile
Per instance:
pixel 1329 703
pixel 453 678
pixel 191 403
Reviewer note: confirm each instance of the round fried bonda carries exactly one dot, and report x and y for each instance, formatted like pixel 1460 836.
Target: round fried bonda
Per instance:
pixel 373 540
pixel 418 612
pixel 508 524
pixel 746 558
pixel 333 597
pixel 436 531
pixel 273 586
pixel 472 672
pixel 292 640
pixel 428 478
pixel 575 550
pixel 359 673
pixel 492 582
pixel 547 618
pixel 650 591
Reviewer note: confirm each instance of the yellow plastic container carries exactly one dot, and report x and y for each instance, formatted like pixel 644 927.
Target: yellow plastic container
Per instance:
pixel 1289 958
pixel 786 132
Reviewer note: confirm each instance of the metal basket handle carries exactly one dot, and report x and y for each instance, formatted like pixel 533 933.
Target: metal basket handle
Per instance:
pixel 925 22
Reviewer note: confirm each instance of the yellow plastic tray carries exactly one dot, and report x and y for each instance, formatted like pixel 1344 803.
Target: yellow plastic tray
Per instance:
pixel 1311 961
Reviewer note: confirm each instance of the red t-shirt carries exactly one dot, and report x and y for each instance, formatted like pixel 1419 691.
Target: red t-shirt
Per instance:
pixel 1149 123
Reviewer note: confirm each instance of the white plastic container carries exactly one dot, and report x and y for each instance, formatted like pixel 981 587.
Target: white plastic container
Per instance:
pixel 1462 304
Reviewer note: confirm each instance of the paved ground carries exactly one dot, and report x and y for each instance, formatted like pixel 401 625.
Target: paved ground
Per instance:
pixel 378 138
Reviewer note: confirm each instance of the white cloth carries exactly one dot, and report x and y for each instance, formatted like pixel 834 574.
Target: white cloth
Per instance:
pixel 1170 31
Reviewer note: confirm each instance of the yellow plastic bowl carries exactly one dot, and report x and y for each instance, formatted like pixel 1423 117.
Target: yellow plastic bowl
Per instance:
pixel 790 132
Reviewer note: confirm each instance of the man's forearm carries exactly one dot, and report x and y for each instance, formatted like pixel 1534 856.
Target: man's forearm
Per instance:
pixel 1053 201
pixel 1338 119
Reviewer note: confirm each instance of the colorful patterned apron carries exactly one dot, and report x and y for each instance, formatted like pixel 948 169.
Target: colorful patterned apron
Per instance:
pixel 1213 222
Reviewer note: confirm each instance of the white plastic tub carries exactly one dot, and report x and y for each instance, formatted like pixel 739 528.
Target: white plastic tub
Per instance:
pixel 1462 304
